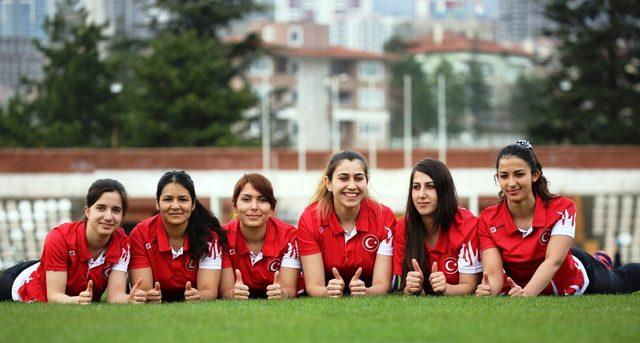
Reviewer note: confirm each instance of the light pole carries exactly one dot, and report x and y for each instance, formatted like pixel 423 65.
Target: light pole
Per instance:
pixel 266 122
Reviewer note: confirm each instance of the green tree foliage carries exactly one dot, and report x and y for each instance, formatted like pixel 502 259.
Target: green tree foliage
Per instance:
pixel 455 95
pixel 188 88
pixel 479 97
pixel 531 104
pixel 596 90
pixel 71 105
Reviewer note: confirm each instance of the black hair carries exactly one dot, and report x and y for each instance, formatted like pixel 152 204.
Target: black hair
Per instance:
pixel 415 230
pixel 101 186
pixel 202 223
pixel 523 150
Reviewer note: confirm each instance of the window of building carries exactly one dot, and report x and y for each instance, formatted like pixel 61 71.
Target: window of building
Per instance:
pixel 261 67
pixel 371 98
pixel 340 67
pixel 281 64
pixel 294 36
pixel 345 98
pixel 369 129
pixel 372 71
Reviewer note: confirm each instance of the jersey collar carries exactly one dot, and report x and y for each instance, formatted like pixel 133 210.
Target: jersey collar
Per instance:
pixel 163 238
pixel 81 242
pixel 362 221
pixel 539 216
pixel 236 238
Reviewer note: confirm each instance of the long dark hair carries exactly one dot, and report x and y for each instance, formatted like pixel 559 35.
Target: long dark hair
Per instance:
pixel 322 195
pixel 201 222
pixel 523 150
pixel 101 186
pixel 416 232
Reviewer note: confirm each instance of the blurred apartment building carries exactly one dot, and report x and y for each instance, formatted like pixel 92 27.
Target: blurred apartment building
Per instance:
pixel 314 84
pixel 351 23
pixel 464 16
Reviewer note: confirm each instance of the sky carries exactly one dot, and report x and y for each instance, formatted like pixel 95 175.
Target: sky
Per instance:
pixel 405 7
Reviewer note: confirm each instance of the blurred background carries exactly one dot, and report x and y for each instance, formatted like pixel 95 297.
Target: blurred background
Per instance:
pixel 130 89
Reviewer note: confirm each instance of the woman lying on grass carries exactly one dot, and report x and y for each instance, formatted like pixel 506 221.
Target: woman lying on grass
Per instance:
pixel 261 260
pixel 345 237
pixel 178 252
pixel 435 246
pixel 530 234
pixel 80 260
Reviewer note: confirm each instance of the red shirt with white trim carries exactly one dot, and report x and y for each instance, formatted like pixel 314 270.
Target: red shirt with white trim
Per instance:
pixel 523 251
pixel 280 249
pixel 150 248
pixel 372 236
pixel 66 249
pixel 456 252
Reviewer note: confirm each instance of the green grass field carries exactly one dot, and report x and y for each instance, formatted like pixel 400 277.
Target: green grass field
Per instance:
pixel 391 318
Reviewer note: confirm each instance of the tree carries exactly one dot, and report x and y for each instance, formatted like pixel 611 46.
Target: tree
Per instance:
pixel 454 95
pixel 422 104
pixel 479 99
pixel 71 105
pixel 188 88
pixel 596 90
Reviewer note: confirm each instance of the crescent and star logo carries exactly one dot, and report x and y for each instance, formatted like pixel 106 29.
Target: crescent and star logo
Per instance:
pixel 192 265
pixel 106 271
pixel 544 237
pixel 451 265
pixel 370 242
pixel 274 265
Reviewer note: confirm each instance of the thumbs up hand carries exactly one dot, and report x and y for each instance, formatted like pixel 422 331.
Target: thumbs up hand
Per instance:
pixel 356 286
pixel 414 279
pixel 274 291
pixel 154 295
pixel 437 280
pixel 85 297
pixel 240 290
pixel 515 291
pixel 191 293
pixel 335 287
pixel 484 288
pixel 136 295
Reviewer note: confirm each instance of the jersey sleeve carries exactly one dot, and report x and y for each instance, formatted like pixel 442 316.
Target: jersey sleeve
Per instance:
pixel 125 255
pixel 566 224
pixel 469 254
pixel 291 259
pixel 486 241
pixel 398 248
pixel 213 258
pixel 307 239
pixel 139 256
pixel 389 222
pixel 55 252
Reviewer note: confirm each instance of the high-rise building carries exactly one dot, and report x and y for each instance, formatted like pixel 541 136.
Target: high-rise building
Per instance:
pixel 21 21
pixel 520 20
pixel 352 23
pixel 320 11
pixel 125 17
pixel 24 18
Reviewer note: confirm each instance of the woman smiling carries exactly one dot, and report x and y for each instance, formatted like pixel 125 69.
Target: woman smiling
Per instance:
pixel 345 237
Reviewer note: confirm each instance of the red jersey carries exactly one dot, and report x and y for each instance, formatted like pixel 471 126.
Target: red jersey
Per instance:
pixel 150 248
pixel 280 249
pixel 456 251
pixel 66 249
pixel 372 235
pixel 523 251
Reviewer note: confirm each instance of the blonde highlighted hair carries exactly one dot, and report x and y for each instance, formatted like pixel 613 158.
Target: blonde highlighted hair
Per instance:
pixel 322 196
